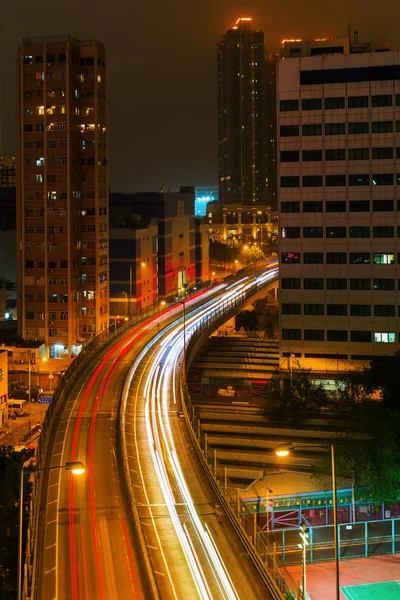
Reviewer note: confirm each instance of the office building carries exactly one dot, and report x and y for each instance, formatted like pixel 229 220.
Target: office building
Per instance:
pixel 62 192
pixel 241 87
pixel 174 214
pixel 339 202
pixel 133 265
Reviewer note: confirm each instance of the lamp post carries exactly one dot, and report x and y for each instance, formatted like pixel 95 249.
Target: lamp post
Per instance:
pixel 76 468
pixel 284 450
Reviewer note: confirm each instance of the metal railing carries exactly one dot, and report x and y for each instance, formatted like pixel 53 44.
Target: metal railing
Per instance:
pixel 275 581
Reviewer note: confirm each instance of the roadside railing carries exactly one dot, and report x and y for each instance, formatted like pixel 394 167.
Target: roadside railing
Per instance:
pixel 274 580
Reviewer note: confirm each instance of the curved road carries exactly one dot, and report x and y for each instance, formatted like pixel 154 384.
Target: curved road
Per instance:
pixel 89 547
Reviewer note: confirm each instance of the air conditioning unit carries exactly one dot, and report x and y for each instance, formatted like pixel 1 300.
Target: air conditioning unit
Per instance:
pixel 51 270
pixel 34 339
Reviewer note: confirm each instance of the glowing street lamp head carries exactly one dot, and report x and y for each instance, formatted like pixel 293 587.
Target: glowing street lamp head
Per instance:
pixel 76 467
pixel 283 450
pixel 143 264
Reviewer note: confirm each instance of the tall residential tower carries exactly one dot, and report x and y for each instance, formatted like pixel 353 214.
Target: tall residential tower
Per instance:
pixel 62 192
pixel 241 116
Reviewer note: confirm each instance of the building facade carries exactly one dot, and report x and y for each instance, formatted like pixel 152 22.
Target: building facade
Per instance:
pixel 175 244
pixel 241 88
pixel 8 171
pixel 133 266
pixel 339 202
pixel 62 192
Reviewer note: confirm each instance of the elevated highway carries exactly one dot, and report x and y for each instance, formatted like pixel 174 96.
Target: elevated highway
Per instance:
pixel 163 535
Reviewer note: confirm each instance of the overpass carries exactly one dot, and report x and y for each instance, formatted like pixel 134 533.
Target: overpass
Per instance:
pixel 141 527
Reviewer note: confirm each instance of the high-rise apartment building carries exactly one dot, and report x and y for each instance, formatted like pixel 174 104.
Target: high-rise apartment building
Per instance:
pixel 8 171
pixel 62 192
pixel 241 115
pixel 339 202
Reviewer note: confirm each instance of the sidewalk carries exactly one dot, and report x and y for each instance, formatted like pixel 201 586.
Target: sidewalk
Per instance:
pixel 353 571
pixel 12 433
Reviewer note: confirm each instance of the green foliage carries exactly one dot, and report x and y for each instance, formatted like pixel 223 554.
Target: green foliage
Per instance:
pixel 251 255
pixel 10 467
pixel 246 319
pixel 383 375
pixel 222 252
pixel 289 397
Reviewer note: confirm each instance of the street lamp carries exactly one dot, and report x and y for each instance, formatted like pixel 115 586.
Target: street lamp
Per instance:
pixel 284 450
pixel 76 468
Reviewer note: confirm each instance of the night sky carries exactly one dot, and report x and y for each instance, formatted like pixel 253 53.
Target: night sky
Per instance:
pixel 161 69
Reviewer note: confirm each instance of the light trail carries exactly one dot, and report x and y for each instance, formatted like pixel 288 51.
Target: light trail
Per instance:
pixel 159 382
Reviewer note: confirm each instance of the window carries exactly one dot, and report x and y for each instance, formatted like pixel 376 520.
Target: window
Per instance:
pixel 335 232
pixel 358 153
pixel 290 156
pixel 289 105
pixel 360 310
pixel 382 100
pixel 383 231
pixel 313 309
pixel 289 130
pixel 311 104
pixel 291 309
pixel 333 206
pixel 383 284
pixel 290 232
pixel 312 181
pixel 382 179
pixel 290 181
pixel 336 258
pixel 397 99
pixel 383 259
pixel 385 337
pixel 335 129
pixel 290 283
pixel 336 284
pixel 360 258
pixel 339 154
pixel 312 207
pixel 337 335
pixel 384 310
pixel 358 128
pixel 359 206
pixel 383 205
pixel 358 180
pixel 314 335
pixel 360 336
pixel 313 258
pixel 313 232
pixel 360 284
pixel 291 334
pixel 290 207
pixel 357 101
pixel 312 155
pixel 335 180
pixel 290 258
pixel 378 153
pixel 336 310
pixel 382 126
pixel 314 129
pixel 334 103
pixel 313 283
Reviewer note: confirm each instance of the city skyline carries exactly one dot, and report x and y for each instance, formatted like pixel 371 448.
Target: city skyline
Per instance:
pixel 170 137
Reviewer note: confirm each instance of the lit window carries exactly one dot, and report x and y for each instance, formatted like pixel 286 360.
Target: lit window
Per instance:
pixel 386 337
pixel 99 78
pixel 40 162
pixel 51 110
pixel 383 259
pixel 40 110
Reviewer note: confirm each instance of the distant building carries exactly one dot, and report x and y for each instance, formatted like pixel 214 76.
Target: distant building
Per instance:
pixel 8 257
pixel 241 89
pixel 133 266
pixel 174 214
pixel 62 193
pixel 8 171
pixel 339 200
pixel 204 195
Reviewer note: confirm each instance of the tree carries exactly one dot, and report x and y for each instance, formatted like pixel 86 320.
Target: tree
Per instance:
pixel 251 254
pixel 383 375
pixel 288 397
pixel 246 319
